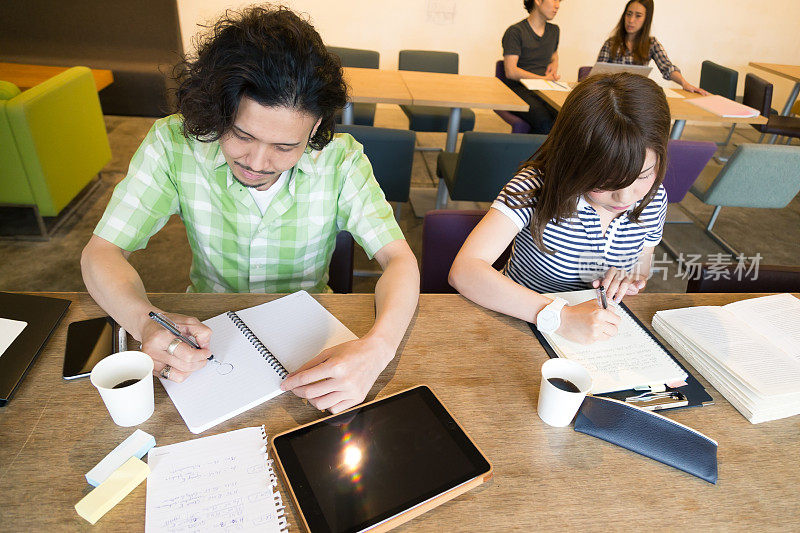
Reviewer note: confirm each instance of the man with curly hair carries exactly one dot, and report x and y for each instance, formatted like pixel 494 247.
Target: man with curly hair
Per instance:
pixel 252 166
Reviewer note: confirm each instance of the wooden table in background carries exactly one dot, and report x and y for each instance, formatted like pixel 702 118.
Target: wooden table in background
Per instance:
pixel 485 369
pixel 27 76
pixel 791 72
pixel 680 111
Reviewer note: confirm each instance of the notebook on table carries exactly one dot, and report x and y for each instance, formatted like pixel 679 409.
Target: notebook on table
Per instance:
pixel 222 483
pixel 748 350
pixel 631 362
pixel 255 349
pixel 723 107
pixel 26 323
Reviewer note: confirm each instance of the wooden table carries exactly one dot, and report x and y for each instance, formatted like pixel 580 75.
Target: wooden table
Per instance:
pixel 791 72
pixel 680 110
pixel 27 76
pixel 485 368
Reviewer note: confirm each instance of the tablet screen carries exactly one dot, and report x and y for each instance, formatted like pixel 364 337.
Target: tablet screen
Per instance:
pixel 353 471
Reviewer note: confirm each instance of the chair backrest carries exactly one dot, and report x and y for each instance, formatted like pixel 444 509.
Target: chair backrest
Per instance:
pixel 487 161
pixel 583 72
pixel 749 278
pixel 391 153
pixel 340 270
pixel 685 161
pixel 757 175
pixel 428 61
pixel 757 94
pixel 443 233
pixel 500 70
pixel 60 135
pixel 356 57
pixel 717 79
pixel 14 187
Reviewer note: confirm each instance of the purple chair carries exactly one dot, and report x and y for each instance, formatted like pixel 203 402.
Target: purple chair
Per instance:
pixel 583 72
pixel 340 270
pixel 443 233
pixel 517 124
pixel 685 161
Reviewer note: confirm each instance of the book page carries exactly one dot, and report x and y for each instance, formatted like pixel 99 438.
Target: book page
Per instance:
pixel 538 84
pixel 216 392
pixel 9 331
pixel 295 328
pixel 731 343
pixel 776 318
pixel 629 359
pixel 218 483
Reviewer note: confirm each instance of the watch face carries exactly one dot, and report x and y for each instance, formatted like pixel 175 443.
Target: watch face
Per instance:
pixel 546 321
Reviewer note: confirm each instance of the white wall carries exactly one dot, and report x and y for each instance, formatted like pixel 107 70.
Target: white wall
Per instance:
pixel 730 32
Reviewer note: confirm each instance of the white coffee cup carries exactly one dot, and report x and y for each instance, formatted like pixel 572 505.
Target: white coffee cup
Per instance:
pixel 133 404
pixel 558 407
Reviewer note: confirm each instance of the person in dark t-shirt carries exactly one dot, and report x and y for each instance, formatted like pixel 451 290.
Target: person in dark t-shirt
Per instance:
pixel 530 50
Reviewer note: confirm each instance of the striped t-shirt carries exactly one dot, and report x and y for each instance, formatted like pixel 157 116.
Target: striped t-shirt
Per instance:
pixel 581 253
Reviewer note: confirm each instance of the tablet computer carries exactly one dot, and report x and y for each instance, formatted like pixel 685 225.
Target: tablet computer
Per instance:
pixel 379 464
pixel 613 68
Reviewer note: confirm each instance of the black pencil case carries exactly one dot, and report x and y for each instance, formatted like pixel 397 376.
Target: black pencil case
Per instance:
pixel 649 434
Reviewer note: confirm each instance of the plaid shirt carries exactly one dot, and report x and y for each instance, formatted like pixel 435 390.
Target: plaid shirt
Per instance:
pixel 234 247
pixel 657 54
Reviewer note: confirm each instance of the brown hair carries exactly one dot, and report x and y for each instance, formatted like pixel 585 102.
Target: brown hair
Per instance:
pixel 641 42
pixel 598 142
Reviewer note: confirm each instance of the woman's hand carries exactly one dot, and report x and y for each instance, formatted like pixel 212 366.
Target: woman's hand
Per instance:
pixel 692 89
pixel 587 323
pixel 619 283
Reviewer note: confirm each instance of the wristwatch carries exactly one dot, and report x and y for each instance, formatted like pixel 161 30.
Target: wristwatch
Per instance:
pixel 548 320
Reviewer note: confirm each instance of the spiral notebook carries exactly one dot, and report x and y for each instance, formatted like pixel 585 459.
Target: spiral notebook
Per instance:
pixel 224 482
pixel 255 349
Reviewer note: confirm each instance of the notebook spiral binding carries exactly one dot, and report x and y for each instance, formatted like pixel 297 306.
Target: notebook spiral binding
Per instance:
pixel 265 353
pixel 280 508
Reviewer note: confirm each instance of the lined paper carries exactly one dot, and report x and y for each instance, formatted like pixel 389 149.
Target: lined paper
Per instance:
pixel 217 483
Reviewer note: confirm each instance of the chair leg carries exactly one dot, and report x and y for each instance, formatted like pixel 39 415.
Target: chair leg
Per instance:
pixel 773 139
pixel 398 210
pixel 761 138
pixel 442 195
pixel 728 138
pixel 715 237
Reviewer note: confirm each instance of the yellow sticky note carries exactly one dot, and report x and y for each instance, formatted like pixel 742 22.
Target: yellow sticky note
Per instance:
pixel 111 491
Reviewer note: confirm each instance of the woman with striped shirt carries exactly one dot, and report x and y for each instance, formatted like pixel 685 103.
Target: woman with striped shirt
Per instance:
pixel 587 209
pixel 631 44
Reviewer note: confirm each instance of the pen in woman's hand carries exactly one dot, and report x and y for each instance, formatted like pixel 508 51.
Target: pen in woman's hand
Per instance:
pixel 170 326
pixel 601 297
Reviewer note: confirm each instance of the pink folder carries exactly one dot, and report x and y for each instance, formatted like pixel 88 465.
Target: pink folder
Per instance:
pixel 719 105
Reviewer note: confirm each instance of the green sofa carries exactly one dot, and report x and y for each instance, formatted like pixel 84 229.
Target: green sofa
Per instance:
pixel 53 142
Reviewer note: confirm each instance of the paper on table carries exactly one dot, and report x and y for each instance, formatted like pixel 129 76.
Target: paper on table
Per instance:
pixel 776 317
pixel 545 85
pixel 9 330
pixel 719 105
pixel 629 359
pixel 219 482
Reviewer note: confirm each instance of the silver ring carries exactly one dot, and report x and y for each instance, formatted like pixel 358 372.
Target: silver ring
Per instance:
pixel 165 371
pixel 173 345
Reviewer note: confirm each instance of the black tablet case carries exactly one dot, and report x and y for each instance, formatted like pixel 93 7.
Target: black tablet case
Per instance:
pixel 42 315
pixel 695 394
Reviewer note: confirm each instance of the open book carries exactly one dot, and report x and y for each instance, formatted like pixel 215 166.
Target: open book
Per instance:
pixel 748 350
pixel 630 359
pixel 255 349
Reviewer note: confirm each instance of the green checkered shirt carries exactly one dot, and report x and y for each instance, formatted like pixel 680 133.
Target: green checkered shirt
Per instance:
pixel 234 247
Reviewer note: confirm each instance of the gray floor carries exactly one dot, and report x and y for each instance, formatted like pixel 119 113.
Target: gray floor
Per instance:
pixel 164 264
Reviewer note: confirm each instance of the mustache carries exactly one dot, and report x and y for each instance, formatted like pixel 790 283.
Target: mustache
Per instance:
pixel 262 172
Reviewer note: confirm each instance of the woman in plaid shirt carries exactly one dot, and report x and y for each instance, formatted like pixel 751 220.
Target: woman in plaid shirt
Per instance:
pixel 632 44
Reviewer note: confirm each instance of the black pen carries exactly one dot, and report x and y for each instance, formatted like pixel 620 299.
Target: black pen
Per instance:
pixel 170 326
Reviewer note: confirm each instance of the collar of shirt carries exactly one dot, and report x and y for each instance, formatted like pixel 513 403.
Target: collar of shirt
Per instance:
pixel 584 205
pixel 305 164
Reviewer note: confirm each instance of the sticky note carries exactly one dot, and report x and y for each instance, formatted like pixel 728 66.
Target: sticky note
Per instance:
pixel 136 445
pixel 111 491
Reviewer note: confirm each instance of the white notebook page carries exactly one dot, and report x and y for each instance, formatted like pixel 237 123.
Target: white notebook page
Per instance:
pixel 629 359
pixel 217 483
pixel 776 317
pixel 295 328
pixel 9 330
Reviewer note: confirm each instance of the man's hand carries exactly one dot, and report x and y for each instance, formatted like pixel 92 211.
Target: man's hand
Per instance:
pixel 551 73
pixel 619 283
pixel 185 359
pixel 340 377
